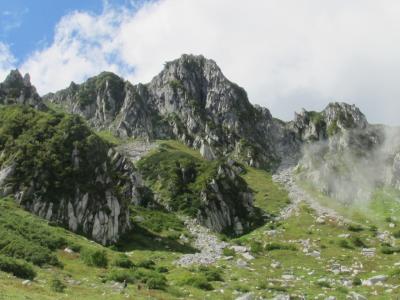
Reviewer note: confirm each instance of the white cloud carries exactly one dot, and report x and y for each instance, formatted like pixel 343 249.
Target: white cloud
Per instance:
pixel 7 61
pixel 286 54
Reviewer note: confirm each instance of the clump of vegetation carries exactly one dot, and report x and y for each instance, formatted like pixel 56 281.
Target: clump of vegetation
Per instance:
pixel 323 284
pixel 17 268
pixel 256 247
pixel 162 269
pixel 355 228
pixel 356 281
pixel 198 281
pixel 150 278
pixel 387 249
pixel 176 85
pixel 211 273
pixel 95 258
pixel 147 264
pixel 228 252
pixel 396 234
pixel 358 242
pixel 123 261
pixel 280 246
pixel 344 244
pixel 57 285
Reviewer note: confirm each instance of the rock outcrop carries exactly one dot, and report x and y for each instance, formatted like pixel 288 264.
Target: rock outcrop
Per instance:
pixel 190 100
pixel 19 90
pixel 227 203
pixel 56 168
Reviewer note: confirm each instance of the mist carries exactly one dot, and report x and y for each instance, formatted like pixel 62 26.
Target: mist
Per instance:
pixel 353 164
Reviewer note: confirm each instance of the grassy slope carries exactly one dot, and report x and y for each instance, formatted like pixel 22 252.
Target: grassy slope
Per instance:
pixel 156 238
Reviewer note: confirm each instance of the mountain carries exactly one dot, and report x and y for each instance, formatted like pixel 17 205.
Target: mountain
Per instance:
pixel 190 100
pixel 196 193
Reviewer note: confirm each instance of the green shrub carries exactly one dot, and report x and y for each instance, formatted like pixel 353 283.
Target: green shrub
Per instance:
pixel 147 264
pixel 280 246
pixel 162 269
pixel 95 258
pixel 123 261
pixel 256 247
pixel 389 249
pixel 198 281
pixel 356 281
pixel 396 234
pixel 324 284
pixel 355 228
pixel 122 275
pixel 211 273
pixel 56 285
pixel 344 244
pixel 150 278
pixel 228 252
pixel 15 246
pixel 17 268
pixel 75 247
pixel 358 242
pixel 395 273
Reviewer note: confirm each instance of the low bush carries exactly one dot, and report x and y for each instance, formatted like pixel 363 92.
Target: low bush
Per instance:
pixel 396 234
pixel 150 278
pixel 228 252
pixel 56 285
pixel 95 258
pixel 389 249
pixel 355 228
pixel 280 246
pixel 147 264
pixel 211 273
pixel 198 281
pixel 123 261
pixel 162 269
pixel 358 242
pixel 15 246
pixel 256 247
pixel 345 244
pixel 323 284
pixel 17 268
pixel 356 281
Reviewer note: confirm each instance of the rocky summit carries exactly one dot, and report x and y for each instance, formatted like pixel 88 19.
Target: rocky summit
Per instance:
pixel 180 188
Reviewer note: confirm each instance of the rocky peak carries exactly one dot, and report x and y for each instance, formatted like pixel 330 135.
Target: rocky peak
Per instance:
pixel 18 90
pixel 335 118
pixel 99 99
pixel 345 116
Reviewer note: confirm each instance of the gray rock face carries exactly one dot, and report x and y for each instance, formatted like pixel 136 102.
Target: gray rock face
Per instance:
pixel 18 90
pixel 98 100
pixel 227 203
pixel 103 214
pixel 190 100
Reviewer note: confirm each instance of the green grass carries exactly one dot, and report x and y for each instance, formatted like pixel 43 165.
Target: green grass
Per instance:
pixel 268 195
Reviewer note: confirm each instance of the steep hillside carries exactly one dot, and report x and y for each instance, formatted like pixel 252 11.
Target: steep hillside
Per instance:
pixel 57 168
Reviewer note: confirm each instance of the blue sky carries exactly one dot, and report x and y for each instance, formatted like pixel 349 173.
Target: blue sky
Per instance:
pixel 286 54
pixel 28 25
